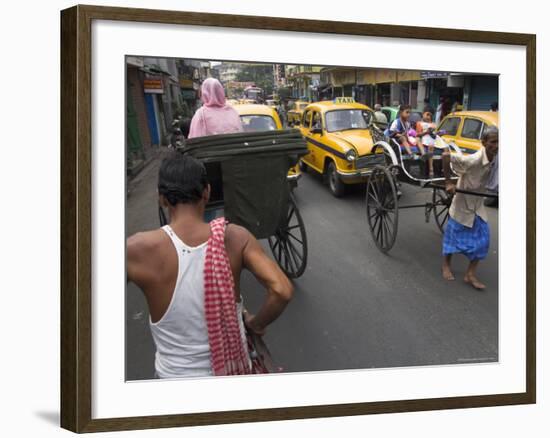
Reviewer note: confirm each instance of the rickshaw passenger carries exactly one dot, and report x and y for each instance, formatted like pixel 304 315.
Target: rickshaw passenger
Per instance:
pixel 400 127
pixel 425 131
pixel 215 117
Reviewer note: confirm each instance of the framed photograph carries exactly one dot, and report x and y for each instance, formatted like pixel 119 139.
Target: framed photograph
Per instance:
pixel 269 218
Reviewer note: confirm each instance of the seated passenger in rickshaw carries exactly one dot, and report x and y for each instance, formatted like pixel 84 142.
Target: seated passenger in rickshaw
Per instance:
pixel 401 131
pixel 426 138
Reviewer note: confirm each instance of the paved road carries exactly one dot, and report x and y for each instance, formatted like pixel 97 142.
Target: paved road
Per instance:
pixel 353 307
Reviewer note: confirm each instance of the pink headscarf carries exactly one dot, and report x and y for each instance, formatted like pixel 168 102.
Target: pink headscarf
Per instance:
pixel 215 116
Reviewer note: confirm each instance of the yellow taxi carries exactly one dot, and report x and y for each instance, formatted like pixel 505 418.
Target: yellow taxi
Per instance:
pixel 464 128
pixel 339 141
pixel 257 117
pixel 294 114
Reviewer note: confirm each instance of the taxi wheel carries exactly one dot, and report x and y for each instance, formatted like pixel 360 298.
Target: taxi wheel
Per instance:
pixel 335 184
pixel 303 166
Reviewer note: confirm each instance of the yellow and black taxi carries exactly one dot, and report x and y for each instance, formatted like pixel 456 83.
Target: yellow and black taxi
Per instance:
pixel 257 117
pixel 294 114
pixel 465 128
pixel 339 141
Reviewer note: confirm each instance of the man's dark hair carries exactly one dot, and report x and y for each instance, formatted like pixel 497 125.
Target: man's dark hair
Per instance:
pixel 494 106
pixel 426 100
pixel 182 179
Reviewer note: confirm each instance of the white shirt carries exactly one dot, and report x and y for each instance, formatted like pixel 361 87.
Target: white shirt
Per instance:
pixel 473 174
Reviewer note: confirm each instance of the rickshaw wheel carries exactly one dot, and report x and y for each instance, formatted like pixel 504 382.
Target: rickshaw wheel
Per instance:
pixel 162 217
pixel 289 243
pixel 441 202
pixel 382 208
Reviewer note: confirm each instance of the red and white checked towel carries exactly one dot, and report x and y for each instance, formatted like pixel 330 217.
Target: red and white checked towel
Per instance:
pixel 228 354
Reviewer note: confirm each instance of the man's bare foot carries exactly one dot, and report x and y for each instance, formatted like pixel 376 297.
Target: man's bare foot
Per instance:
pixel 472 280
pixel 447 273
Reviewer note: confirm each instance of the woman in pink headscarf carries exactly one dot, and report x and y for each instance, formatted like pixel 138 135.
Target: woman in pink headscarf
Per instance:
pixel 215 116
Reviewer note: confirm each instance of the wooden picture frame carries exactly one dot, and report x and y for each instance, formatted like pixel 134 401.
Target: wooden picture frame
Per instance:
pixel 76 222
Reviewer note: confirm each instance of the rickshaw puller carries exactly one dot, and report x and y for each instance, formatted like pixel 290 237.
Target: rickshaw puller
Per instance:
pixel 467 231
pixel 189 272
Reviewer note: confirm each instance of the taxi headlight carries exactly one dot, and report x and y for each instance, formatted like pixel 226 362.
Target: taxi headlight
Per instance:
pixel 351 155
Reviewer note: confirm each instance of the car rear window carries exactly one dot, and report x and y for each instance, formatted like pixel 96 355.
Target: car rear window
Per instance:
pixel 254 123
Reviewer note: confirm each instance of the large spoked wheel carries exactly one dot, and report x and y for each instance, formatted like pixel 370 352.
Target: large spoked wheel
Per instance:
pixel 382 209
pixel 162 217
pixel 441 202
pixel 289 243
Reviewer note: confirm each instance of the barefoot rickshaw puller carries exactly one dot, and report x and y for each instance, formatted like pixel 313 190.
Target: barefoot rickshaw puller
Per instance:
pixel 467 231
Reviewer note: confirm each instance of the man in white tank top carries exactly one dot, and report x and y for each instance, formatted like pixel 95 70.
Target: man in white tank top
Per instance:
pixel 168 264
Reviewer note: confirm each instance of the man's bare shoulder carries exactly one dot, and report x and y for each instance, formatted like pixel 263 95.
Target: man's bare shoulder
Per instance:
pixel 237 236
pixel 144 243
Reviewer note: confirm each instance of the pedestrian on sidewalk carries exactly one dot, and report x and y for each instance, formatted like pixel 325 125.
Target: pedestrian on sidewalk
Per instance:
pixel 189 272
pixel 467 231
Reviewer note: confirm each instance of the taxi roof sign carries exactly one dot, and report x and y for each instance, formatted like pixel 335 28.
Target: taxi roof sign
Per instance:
pixel 344 99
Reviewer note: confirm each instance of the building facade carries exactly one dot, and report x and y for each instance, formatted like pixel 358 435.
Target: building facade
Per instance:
pixel 227 71
pixel 390 87
pixel 139 144
pixel 303 81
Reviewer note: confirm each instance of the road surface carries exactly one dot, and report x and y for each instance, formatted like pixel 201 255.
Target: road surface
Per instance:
pixel 354 307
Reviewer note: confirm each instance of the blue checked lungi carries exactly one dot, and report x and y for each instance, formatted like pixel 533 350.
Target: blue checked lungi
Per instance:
pixel 472 242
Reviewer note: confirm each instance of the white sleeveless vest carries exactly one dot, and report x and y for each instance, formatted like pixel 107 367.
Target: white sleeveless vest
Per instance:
pixel 181 335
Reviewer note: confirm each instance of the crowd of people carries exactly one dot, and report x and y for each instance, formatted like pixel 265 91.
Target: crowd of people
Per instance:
pixel 189 270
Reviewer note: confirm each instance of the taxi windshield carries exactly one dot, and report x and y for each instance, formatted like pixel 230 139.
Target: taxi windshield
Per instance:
pixel 253 123
pixel 341 120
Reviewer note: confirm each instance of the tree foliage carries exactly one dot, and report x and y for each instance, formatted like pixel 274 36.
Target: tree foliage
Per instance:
pixel 261 75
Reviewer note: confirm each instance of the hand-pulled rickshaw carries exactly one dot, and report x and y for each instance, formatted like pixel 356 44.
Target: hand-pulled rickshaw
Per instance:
pixel 382 192
pixel 248 178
